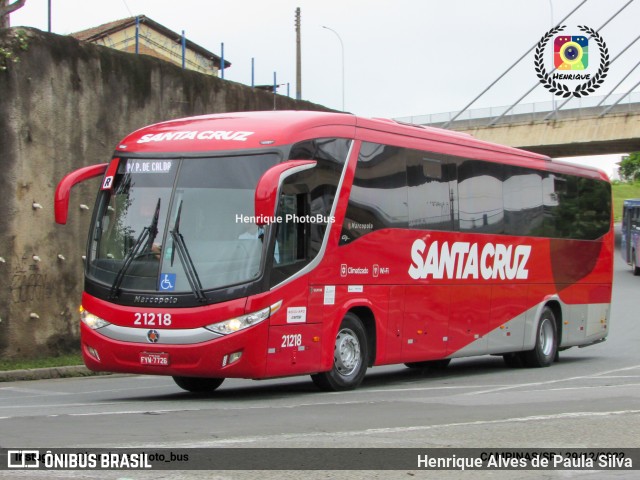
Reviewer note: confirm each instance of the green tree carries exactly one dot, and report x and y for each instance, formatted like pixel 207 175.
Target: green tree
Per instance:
pixel 630 167
pixel 6 7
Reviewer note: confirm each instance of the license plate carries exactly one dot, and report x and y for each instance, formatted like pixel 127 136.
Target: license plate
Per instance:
pixel 156 359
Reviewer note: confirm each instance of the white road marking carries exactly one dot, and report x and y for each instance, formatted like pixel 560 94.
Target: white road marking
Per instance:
pixel 383 431
pixel 549 382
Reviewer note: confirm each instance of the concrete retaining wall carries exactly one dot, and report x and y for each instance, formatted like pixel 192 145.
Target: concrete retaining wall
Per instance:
pixel 66 104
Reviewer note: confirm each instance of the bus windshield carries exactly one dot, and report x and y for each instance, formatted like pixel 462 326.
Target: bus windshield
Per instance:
pixel 176 225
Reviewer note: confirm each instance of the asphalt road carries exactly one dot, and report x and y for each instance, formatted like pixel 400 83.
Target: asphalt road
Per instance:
pixel 590 399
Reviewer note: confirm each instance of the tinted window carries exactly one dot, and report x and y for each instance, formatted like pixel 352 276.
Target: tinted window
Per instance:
pixel 433 191
pixel 523 202
pixel 378 196
pixel 594 203
pixel 480 191
pixel 442 192
pixel 563 210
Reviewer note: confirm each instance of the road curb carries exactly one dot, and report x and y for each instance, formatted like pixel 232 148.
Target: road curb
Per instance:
pixel 47 373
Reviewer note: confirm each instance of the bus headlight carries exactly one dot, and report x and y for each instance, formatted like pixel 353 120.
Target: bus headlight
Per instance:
pixel 245 321
pixel 92 321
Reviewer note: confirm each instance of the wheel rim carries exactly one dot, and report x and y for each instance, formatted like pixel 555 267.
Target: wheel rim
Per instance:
pixel 346 355
pixel 546 337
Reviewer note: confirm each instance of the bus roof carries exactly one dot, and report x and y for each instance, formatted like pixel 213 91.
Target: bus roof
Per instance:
pixel 248 130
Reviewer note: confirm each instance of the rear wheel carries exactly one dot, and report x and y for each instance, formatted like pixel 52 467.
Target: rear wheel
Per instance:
pixel 350 357
pixel 634 264
pixel 430 364
pixel 197 384
pixel 544 352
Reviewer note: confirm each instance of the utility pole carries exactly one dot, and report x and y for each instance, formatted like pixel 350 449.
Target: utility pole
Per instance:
pixel 298 58
pixel 6 8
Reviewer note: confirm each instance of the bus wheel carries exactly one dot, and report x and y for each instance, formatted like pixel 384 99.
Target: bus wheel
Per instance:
pixel 544 353
pixel 350 357
pixel 634 264
pixel 198 385
pixel 430 364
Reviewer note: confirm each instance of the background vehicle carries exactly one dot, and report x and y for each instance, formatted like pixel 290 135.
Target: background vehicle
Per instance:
pixel 630 238
pixel 269 244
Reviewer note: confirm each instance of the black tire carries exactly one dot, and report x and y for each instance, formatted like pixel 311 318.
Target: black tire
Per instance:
pixel 634 266
pixel 544 352
pixel 430 364
pixel 350 357
pixel 197 384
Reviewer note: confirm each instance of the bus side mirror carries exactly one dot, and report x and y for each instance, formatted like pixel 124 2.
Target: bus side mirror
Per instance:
pixel 61 199
pixel 266 196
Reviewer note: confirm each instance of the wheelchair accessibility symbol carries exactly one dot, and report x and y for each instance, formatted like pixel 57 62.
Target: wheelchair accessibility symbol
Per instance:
pixel 167 282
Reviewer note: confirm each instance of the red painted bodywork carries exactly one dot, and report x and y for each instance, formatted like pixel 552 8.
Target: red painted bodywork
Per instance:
pixel 397 307
pixel 63 190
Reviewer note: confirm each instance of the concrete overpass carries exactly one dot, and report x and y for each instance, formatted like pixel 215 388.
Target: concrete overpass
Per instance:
pixel 588 129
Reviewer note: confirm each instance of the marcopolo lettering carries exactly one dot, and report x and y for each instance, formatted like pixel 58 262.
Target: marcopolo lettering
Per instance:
pixel 195 135
pixel 462 260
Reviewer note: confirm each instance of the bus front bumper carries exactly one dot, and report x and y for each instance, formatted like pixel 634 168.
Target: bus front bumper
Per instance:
pixel 238 355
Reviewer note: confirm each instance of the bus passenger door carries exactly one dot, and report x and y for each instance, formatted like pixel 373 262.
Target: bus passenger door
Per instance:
pixel 425 323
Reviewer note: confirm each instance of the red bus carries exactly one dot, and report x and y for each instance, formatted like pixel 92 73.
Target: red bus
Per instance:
pixel 270 244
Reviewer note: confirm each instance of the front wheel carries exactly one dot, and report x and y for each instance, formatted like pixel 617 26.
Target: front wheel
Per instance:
pixel 634 264
pixel 198 385
pixel 350 357
pixel 546 348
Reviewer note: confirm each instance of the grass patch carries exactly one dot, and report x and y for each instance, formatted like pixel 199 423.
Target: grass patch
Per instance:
pixel 61 361
pixel 622 191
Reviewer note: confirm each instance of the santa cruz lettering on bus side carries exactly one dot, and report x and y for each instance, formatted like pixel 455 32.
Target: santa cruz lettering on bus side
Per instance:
pixel 462 260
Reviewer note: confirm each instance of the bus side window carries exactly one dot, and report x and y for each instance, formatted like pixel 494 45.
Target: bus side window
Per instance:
pixel 290 238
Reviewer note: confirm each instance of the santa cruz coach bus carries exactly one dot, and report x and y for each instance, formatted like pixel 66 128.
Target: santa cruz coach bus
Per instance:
pixel 268 244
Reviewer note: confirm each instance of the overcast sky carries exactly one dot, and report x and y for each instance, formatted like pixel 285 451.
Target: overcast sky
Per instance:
pixel 402 57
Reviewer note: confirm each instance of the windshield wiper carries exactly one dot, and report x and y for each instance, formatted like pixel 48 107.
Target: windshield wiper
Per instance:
pixel 148 235
pixel 185 258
